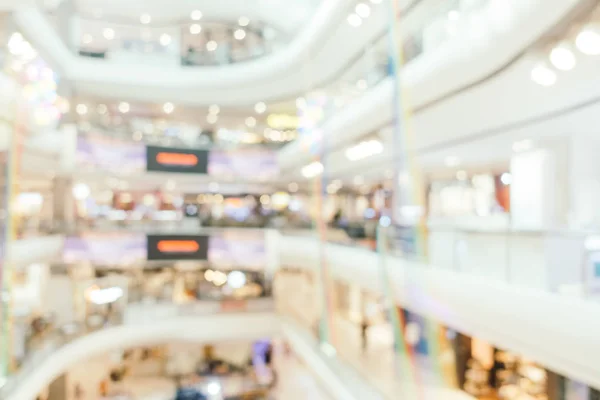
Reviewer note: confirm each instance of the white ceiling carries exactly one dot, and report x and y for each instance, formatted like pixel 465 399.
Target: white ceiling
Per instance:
pixel 509 96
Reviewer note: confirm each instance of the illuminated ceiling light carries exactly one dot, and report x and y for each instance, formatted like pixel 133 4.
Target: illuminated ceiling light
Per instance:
pixel 506 178
pixel 168 108
pixel 250 122
pixel 108 33
pixel 244 21
pixel 81 191
pixel 363 10
pixel 563 58
pixel 196 15
pixel 214 109
pixel 239 34
pixel 212 118
pixel 354 20
pixel 145 19
pixel 588 41
pixel 260 107
pixel 362 84
pixel 364 150
pixel 265 200
pixel 195 29
pixel 543 75
pixel 87 38
pixel 124 107
pixel 236 279
pixel 452 161
pixel 461 175
pixel 165 39
pixel 293 187
pixel 376 1
pixel 312 170
pixel 453 15
pixel 81 109
pixel 211 45
pixel 101 109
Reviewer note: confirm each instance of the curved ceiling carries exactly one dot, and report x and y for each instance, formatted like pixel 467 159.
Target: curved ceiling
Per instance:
pixel 454 81
pixel 286 15
pixel 323 46
pixel 207 328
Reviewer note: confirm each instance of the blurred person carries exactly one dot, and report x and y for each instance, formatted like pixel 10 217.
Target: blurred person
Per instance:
pixel 78 392
pixel 364 333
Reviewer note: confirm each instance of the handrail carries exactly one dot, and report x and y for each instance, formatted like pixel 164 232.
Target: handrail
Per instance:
pixel 68 333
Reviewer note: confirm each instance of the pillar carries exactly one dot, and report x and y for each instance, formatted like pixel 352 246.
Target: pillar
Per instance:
pixel 63 202
pixel 538 197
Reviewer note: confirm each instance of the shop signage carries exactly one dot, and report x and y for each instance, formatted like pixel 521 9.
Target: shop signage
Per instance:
pixel 163 159
pixel 177 247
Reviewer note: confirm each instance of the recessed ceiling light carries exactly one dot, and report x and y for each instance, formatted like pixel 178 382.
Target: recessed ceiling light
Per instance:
pixel 168 108
pixel 354 20
pixel 145 18
pixel 211 45
pixel 81 109
pixel 108 33
pixel 376 1
pixel 195 29
pixel 101 109
pixel 196 15
pixel 293 187
pixel 87 38
pixel 124 107
pixel 260 107
pixel 244 21
pixel 588 41
pixel 214 109
pixel 363 10
pixel 165 39
pixel 506 178
pixel 212 118
pixel 563 58
pixel 543 75
pixel 239 34
pixel 250 122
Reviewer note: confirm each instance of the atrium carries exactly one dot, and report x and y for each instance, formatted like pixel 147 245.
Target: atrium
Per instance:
pixel 299 199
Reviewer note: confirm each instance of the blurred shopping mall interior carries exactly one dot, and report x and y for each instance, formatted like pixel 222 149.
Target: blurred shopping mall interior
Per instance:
pixel 299 199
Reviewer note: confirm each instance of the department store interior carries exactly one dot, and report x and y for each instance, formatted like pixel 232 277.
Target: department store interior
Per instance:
pixel 299 200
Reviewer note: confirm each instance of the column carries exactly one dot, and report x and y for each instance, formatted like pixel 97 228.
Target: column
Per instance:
pixel 584 181
pixel 538 196
pixel 63 213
